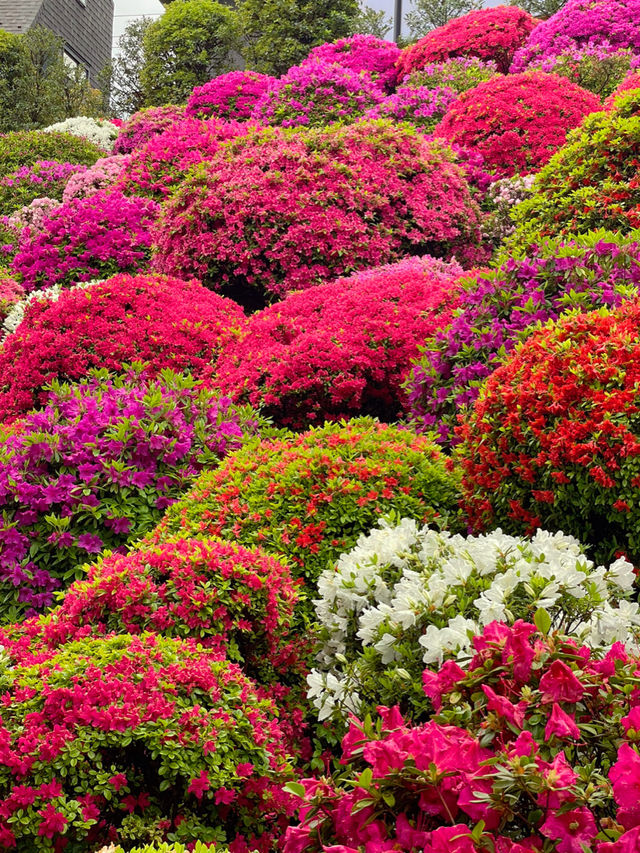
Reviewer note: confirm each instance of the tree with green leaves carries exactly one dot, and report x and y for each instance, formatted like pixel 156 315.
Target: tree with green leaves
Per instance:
pixel 372 22
pixel 124 75
pixel 192 42
pixel 428 15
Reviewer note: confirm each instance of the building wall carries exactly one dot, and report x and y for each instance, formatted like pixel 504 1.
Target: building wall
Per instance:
pixel 86 27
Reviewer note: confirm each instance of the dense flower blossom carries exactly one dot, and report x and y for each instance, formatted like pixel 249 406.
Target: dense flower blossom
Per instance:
pixel 489 34
pixel 552 440
pixel 46 178
pixel 230 96
pixel 10 293
pixel 407 596
pixel 30 219
pixel 517 122
pixel 104 173
pixel 26 148
pixel 100 132
pixel 341 348
pixel 458 73
pixel 497 308
pixel 614 23
pixel 596 67
pixel 145 124
pixel 316 94
pixel 160 321
pixel 361 53
pixel 261 216
pixel 87 238
pixel 15 316
pixel 630 82
pixel 421 106
pixel 96 468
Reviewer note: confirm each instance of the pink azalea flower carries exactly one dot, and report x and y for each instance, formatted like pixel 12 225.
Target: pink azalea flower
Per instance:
pixel 561 724
pixel 560 684
pixel 572 830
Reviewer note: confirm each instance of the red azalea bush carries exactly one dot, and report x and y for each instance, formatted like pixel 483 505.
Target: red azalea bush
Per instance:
pixel 87 238
pixel 310 496
pixel 361 53
pixel 274 211
pixel 10 293
pixel 231 96
pixel 340 348
pixel 136 738
pixel 237 600
pixel 490 34
pixel 145 124
pixel 517 122
pixel 159 165
pixel 161 321
pixel 554 440
pixel 628 85
pixel 532 747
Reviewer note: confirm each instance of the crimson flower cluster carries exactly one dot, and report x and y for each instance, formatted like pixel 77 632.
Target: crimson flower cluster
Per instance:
pixel 10 293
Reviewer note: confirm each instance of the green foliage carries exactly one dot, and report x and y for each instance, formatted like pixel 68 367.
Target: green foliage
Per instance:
pixel 24 148
pixel 428 15
pixel 13 65
pixel 542 8
pixel 459 73
pixel 374 22
pixel 125 72
pixel 191 43
pixel 280 33
pixel 171 848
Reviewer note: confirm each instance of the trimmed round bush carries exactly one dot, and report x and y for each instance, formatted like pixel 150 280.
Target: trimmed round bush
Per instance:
pixel 631 82
pixel 158 166
pixel 458 73
pixel 308 497
pixel 275 211
pixel 488 34
pixel 96 469
pixel 160 321
pixel 316 94
pixel 590 183
pixel 497 308
pixel 611 24
pixel 26 148
pixel 97 130
pixel 420 106
pixel 137 738
pixel 516 122
pixel 594 67
pixel 553 440
pixel 145 124
pixel 46 178
pixel 10 294
pixel 238 601
pixel 104 173
pixel 361 53
pixel 231 96
pixel 87 238
pixel 341 348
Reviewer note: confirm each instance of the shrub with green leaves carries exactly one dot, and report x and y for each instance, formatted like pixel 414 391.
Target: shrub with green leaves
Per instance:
pixel 25 148
pixel 458 73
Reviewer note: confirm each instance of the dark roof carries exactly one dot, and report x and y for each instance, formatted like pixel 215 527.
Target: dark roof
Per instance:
pixel 16 16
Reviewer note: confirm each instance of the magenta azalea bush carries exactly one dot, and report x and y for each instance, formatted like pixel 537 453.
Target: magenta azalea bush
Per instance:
pixel 274 212
pixel 458 73
pixel 418 105
pixel 95 469
pixel 46 178
pixel 86 238
pixel 230 96
pixel 361 53
pixel 145 124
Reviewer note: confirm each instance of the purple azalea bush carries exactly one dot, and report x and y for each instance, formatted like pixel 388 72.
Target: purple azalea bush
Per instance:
pixel 420 106
pixel 46 178
pixel 96 469
pixel 499 307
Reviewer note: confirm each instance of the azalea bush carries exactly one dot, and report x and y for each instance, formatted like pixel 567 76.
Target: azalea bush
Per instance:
pixel 611 24
pixel 532 747
pixel 145 124
pixel 137 739
pixel 104 173
pixel 407 596
pixel 420 106
pixel 10 293
pixel 630 82
pixel 99 131
pixel 458 73
pixel 361 53
pixel 499 307
pixel 16 313
pixel 552 440
pixel 598 68
pixel 517 122
pixel 238 601
pixel 260 218
pixel 92 237
pixel 160 165
pixel 231 96
pixel 500 199
pixel 341 348
pixel 26 148
pixel 316 94
pixel 160 321
pixel 308 497
pixel 46 178
pixel 489 34
pixel 96 468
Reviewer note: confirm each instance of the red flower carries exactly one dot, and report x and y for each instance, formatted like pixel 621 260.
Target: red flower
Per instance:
pixel 560 684
pixel 199 785
pixel 53 821
pixel 561 724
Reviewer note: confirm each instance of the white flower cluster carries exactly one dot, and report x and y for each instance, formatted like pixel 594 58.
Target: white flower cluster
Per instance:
pixel 47 294
pixel 101 132
pixel 402 584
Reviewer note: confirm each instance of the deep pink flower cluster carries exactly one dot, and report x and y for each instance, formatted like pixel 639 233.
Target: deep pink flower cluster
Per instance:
pixel 231 96
pixel 275 212
pixel 87 238
pixel 420 106
pixel 504 764
pixel 582 22
pixel 341 348
pixel 145 124
pixel 158 166
pixel 517 122
pixel 10 293
pixel 44 178
pixel 316 94
pixel 361 53
pixel 104 173
pixel 160 321
pixel 493 34
pixel 96 469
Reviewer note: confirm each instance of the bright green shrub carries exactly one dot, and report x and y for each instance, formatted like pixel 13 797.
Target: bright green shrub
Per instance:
pixel 24 148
